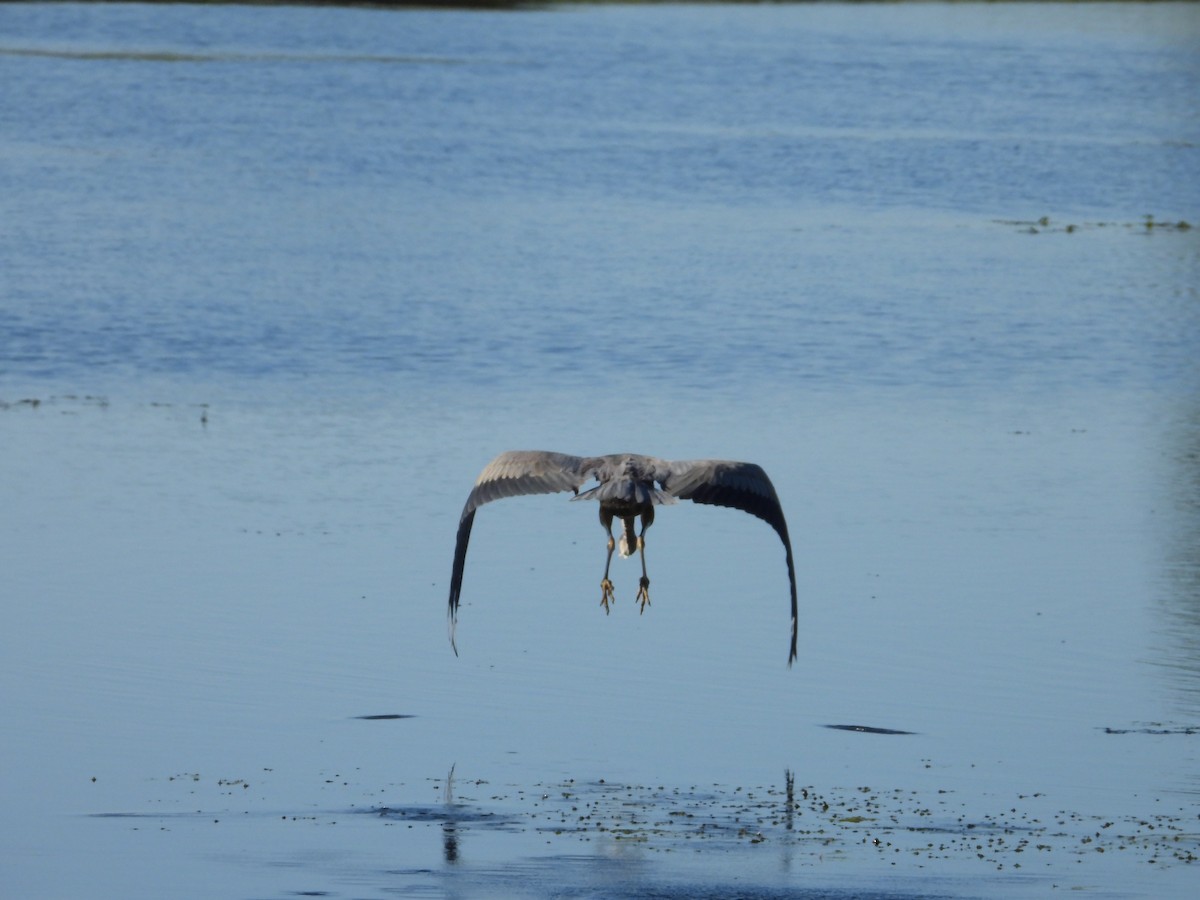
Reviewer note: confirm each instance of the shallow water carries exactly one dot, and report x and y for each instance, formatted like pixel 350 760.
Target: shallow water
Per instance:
pixel 277 283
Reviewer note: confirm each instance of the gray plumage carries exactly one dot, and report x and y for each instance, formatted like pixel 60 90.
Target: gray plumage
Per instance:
pixel 628 486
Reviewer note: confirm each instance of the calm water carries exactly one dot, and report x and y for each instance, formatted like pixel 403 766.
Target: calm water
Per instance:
pixel 276 283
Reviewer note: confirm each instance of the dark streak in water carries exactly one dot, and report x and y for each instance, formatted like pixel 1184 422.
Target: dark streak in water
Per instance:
pixel 867 729
pixel 174 56
pixel 453 813
pixel 382 716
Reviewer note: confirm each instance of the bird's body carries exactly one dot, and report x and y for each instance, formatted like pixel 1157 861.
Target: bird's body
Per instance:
pixel 629 486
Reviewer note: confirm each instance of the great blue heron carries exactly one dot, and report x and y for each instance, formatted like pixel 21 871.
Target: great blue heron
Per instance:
pixel 626 489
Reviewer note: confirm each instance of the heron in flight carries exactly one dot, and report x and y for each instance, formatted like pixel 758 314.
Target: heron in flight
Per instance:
pixel 628 486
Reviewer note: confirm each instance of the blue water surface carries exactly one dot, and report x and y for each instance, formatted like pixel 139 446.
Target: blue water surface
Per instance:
pixel 277 282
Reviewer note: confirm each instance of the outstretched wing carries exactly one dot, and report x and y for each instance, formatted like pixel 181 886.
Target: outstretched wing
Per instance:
pixel 512 474
pixel 738 485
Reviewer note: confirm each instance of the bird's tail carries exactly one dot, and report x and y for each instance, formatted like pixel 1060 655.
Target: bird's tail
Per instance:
pixel 628 542
pixel 636 493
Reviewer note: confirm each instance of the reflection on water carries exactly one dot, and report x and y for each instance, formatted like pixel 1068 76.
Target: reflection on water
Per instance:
pixel 276 280
pixel 853 824
pixel 1178 644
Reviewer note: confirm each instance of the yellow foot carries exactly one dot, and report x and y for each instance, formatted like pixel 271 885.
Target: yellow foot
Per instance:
pixel 606 595
pixel 643 595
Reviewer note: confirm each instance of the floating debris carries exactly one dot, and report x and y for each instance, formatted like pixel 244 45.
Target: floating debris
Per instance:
pixel 1046 225
pixel 1154 728
pixel 27 402
pixel 1024 832
pixel 1027 830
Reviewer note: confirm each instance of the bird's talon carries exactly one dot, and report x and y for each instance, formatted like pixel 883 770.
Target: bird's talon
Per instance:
pixel 606 595
pixel 643 595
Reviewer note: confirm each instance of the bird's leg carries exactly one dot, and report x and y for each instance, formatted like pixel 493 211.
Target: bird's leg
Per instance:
pixel 606 586
pixel 643 594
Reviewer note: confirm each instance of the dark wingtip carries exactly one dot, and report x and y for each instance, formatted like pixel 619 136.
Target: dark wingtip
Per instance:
pixel 456 574
pixel 453 623
pixel 791 567
pixel 795 627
